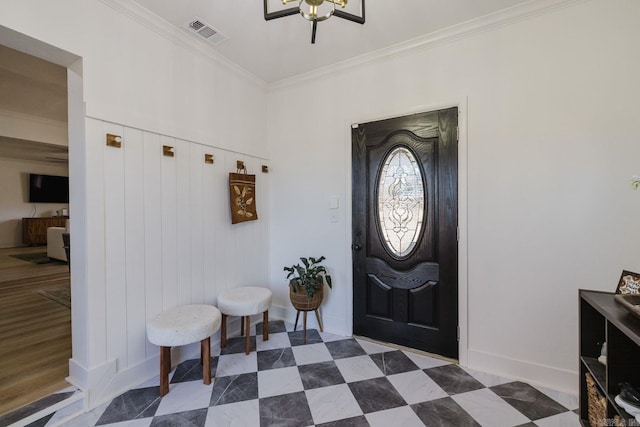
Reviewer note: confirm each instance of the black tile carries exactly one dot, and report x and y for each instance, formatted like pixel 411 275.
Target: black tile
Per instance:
pixel 237 345
pixel 345 348
pixel 376 395
pixel 393 362
pixel 195 418
pixel 313 337
pixel 285 410
pixel 318 375
pixel 453 380
pixel 275 326
pixel 137 403
pixel 529 424
pixel 526 399
pixel 42 422
pixel 360 421
pixel 443 412
pixel 234 388
pixel 191 370
pixel 274 359
pixel 33 407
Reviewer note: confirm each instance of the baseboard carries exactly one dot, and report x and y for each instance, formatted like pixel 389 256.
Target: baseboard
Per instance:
pixel 532 373
pixel 330 324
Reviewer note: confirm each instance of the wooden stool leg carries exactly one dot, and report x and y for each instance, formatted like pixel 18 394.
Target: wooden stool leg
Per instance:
pixel 223 332
pixel 165 368
pixel 296 325
pixel 265 326
pixel 205 356
pixel 304 323
pixel 319 321
pixel 241 325
pixel 248 335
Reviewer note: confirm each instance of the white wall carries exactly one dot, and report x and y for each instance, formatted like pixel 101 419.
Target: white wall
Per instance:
pixel 553 140
pixel 14 197
pixel 151 232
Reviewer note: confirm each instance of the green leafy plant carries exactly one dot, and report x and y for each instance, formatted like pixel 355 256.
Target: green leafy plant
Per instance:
pixel 311 275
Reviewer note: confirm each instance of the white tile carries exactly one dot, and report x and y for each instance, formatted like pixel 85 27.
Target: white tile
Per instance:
pixel 416 387
pixel 332 403
pixel 68 412
pixel 372 347
pixel 396 417
pixel 488 380
pixel 566 419
pixel 185 396
pixel 274 382
pixel 489 409
pixel 328 336
pixel 311 353
pixel 275 341
pixel 239 414
pixel 236 364
pixel 358 368
pixel 569 401
pixel 155 381
pixel 425 362
pixel 86 419
pixel 143 422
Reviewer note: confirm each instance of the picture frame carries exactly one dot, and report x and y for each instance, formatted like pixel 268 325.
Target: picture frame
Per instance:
pixel 629 283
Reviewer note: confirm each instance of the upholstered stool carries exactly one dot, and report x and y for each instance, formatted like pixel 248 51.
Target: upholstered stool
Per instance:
pixel 181 326
pixel 244 302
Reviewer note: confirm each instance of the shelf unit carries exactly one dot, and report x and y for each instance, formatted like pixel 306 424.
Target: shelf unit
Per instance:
pixel 602 319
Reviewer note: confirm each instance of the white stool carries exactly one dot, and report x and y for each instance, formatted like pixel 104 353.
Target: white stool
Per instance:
pixel 244 302
pixel 181 326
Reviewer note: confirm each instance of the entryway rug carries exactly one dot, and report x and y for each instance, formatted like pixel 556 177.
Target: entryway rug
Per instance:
pixel 60 294
pixel 36 258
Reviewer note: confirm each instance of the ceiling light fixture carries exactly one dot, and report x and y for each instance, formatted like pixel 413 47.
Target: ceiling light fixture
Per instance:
pixel 315 11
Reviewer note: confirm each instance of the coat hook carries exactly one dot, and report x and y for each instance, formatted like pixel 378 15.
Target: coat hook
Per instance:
pixel 209 158
pixel 167 150
pixel 240 165
pixel 114 141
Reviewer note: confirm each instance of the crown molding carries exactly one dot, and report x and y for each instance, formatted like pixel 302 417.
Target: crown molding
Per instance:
pixel 176 35
pixel 447 35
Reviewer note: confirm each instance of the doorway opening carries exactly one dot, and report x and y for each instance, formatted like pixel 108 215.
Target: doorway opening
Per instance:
pixel 37 130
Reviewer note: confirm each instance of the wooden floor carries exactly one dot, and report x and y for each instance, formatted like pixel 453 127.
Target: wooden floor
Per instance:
pixel 35 332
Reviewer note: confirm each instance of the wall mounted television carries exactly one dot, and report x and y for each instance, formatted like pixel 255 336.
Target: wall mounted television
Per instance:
pixel 48 188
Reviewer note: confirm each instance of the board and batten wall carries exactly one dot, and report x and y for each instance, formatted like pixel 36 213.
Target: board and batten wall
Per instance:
pixel 551 140
pixel 166 240
pixel 149 232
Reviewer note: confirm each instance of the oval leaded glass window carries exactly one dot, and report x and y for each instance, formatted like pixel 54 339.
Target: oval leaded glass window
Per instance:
pixel 400 201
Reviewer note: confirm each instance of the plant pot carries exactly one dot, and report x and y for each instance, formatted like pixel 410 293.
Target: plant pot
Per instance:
pixel 301 301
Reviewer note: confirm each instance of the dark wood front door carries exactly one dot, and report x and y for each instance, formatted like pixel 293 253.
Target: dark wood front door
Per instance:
pixel 405 217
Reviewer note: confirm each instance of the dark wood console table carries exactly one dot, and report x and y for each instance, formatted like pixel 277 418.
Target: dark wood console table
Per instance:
pixel 34 230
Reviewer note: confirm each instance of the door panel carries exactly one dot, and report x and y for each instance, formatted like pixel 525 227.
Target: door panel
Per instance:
pixel 405 231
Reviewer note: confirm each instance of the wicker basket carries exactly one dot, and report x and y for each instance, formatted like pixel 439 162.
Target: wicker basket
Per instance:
pixel 597 405
pixel 301 301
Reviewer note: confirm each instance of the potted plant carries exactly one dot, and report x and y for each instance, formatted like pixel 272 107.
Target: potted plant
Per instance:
pixel 306 283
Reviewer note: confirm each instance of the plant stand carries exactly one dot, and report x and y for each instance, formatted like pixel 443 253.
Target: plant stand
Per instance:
pixel 302 302
pixel 304 322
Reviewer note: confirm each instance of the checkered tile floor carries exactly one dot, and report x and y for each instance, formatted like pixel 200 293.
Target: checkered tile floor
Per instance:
pixel 332 381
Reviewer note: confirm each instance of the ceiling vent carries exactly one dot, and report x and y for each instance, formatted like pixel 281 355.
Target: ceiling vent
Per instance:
pixel 205 31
